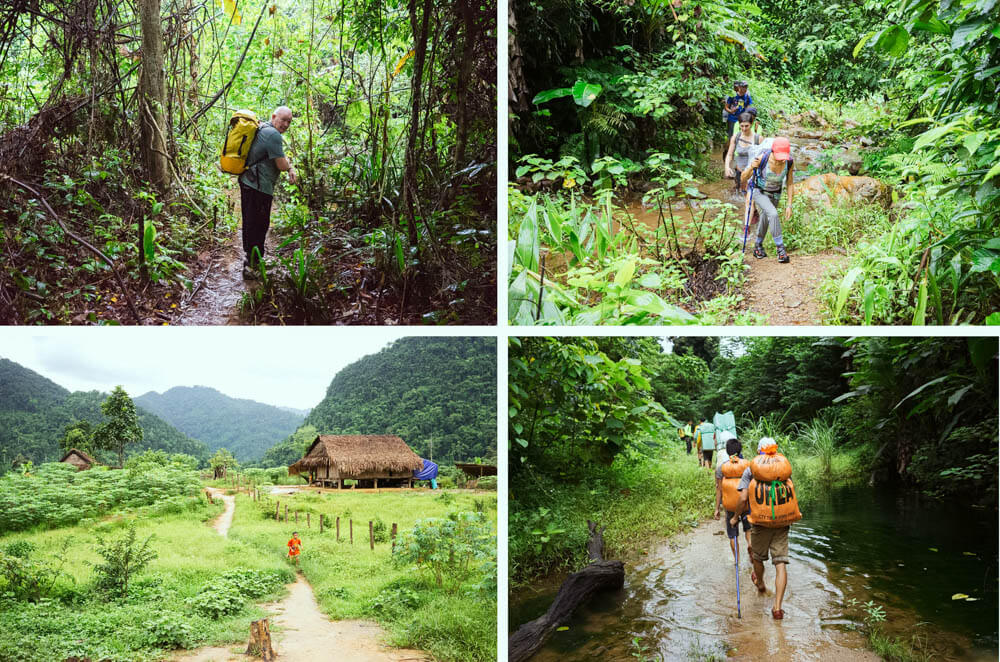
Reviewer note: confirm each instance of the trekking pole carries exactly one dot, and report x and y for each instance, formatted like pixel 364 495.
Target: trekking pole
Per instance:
pixel 746 221
pixel 736 542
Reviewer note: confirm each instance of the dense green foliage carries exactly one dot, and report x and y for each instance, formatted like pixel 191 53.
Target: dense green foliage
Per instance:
pixel 35 412
pixel 245 427
pixel 438 394
pixel 592 426
pixel 56 494
pixel 393 139
pixel 613 104
pixel 165 606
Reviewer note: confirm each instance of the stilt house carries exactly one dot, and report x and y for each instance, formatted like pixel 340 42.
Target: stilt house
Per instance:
pixel 371 460
pixel 78 459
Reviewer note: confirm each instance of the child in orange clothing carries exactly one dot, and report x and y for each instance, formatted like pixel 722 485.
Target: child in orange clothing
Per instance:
pixel 294 547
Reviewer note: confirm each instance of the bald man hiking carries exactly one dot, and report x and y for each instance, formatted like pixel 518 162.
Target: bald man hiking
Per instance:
pixel 267 156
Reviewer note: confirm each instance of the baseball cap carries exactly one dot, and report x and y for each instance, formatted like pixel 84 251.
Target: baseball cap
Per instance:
pixel 781 149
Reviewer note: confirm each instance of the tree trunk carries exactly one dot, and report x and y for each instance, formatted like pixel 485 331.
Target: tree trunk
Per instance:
pixel 578 588
pixel 260 641
pixel 470 37
pixel 152 98
pixel 420 29
pixel 517 85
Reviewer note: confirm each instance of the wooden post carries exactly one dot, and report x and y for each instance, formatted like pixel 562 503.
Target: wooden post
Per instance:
pixel 286 513
pixel 371 535
pixel 350 525
pixel 307 521
pixel 376 483
pixel 260 641
pixel 321 522
pixel 394 536
pixel 338 529
pixel 277 504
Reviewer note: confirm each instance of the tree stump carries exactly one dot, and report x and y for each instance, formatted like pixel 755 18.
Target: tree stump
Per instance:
pixel 260 641
pixel 578 588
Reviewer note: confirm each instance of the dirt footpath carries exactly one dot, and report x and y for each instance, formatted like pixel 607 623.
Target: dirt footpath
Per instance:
pixel 786 293
pixel 300 631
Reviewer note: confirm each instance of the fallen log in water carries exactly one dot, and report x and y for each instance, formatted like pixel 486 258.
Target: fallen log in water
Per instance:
pixel 578 588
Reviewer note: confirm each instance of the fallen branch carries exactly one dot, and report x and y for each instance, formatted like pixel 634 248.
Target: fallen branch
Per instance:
pixel 578 588
pixel 83 242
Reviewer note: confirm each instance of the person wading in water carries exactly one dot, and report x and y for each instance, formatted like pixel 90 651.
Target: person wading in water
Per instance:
pixel 773 172
pixel 767 488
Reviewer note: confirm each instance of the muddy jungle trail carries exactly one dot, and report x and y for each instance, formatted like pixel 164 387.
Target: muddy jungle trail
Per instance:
pixel 114 207
pixel 894 557
pixel 618 210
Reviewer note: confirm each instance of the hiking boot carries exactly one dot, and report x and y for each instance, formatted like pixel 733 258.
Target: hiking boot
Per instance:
pixel 250 274
pixel 758 252
pixel 782 255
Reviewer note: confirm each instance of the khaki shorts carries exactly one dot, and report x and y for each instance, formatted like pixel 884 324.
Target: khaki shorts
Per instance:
pixel 775 541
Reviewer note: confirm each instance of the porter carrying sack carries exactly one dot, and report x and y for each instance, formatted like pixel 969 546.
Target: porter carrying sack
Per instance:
pixel 773 502
pixel 239 139
pixel 732 471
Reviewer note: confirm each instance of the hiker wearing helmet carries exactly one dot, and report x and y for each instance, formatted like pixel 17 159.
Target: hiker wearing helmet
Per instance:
pixel 772 171
pixel 727 476
pixel 736 105
pixel 739 147
pixel 267 155
pixel 767 487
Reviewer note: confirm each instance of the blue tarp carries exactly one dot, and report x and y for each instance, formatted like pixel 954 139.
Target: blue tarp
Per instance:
pixel 429 471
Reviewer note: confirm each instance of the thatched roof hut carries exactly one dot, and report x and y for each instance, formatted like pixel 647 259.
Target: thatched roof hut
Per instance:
pixel 78 459
pixel 333 458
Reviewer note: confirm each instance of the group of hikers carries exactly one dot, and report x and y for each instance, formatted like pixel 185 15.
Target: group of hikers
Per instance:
pixel 757 493
pixel 760 168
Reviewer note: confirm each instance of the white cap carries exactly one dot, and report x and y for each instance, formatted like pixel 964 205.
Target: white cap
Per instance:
pixel 764 443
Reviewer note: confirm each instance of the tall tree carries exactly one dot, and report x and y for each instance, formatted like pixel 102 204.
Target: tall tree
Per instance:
pixel 152 99
pixel 121 427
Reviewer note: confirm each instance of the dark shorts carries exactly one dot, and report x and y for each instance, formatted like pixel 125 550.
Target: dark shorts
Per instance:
pixel 687 442
pixel 707 455
pixel 733 531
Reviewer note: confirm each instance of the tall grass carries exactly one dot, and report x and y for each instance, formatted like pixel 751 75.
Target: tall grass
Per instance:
pixel 819 438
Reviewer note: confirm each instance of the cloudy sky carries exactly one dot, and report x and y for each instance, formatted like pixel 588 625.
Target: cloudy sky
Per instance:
pixel 290 366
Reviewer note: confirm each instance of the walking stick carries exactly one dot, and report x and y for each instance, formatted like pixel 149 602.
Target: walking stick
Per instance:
pixel 736 542
pixel 746 221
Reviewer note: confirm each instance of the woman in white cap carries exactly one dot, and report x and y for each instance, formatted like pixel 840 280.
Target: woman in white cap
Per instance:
pixel 773 172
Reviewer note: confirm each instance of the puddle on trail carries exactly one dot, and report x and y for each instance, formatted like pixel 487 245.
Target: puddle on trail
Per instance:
pixel 680 601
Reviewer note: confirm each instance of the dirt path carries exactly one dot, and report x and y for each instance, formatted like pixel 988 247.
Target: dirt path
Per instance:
pixel 225 520
pixel 786 293
pixel 300 631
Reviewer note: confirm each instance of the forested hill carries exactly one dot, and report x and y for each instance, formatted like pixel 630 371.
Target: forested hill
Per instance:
pixel 34 412
pixel 439 391
pixel 245 427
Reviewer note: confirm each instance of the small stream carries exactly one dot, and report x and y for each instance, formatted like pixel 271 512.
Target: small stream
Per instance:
pixel 907 554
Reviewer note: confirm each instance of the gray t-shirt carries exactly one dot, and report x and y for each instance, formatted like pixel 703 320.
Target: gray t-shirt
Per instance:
pixel 745 479
pixel 267 146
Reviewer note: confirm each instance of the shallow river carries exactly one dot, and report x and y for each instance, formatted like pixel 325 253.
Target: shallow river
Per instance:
pixel 906 554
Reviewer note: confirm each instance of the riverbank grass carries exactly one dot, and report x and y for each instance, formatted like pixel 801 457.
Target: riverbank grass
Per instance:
pixel 352 581
pixel 173 603
pixel 638 500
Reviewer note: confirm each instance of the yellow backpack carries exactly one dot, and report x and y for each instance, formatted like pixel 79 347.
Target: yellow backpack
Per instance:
pixel 239 139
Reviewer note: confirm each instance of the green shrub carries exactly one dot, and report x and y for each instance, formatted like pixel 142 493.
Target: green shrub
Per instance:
pixel 25 579
pixel 449 547
pixel 123 558
pixel 169 630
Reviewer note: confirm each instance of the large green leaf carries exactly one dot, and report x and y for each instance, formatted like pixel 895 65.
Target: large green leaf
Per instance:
pixel 968 31
pixel 585 93
pixel 893 40
pixel 148 241
pixel 526 252
pixel 549 95
pixel 845 289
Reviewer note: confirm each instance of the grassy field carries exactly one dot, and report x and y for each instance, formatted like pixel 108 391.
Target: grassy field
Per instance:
pixel 456 621
pixel 163 609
